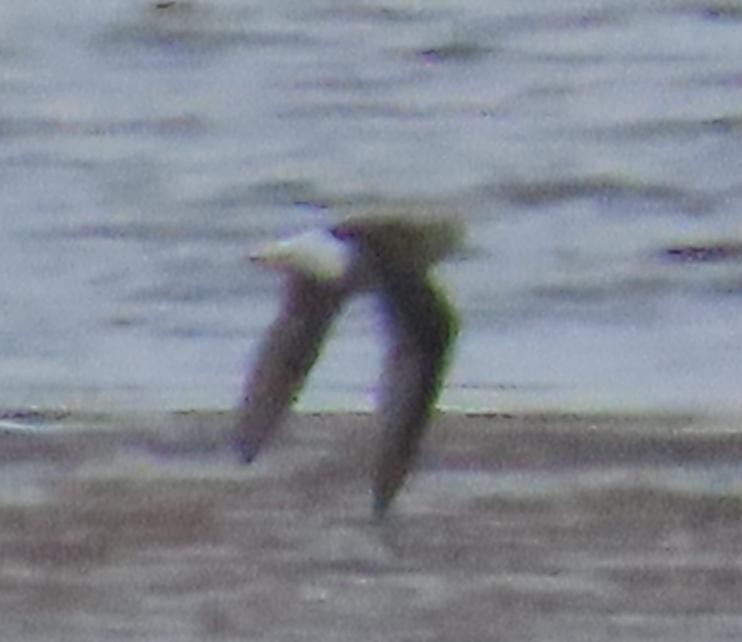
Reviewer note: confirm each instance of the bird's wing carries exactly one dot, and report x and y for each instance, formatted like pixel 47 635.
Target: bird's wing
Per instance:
pixel 288 352
pixel 423 326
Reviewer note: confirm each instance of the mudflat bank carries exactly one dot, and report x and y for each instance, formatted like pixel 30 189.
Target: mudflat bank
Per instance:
pixel 515 527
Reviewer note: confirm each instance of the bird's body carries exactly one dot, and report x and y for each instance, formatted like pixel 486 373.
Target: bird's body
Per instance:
pixel 390 256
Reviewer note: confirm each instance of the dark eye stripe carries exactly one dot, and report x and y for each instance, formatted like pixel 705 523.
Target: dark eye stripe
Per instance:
pixel 343 232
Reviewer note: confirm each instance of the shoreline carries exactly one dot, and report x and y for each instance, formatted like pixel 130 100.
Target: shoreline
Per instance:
pixel 454 439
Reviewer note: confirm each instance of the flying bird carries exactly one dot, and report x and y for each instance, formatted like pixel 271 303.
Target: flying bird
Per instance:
pixel 389 255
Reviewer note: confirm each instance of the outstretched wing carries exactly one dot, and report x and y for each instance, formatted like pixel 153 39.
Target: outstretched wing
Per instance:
pixel 284 359
pixel 422 327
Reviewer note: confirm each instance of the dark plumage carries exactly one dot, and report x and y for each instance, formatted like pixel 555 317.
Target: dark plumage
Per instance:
pixel 390 256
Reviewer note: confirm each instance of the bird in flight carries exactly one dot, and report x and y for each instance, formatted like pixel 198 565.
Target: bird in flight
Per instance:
pixel 389 255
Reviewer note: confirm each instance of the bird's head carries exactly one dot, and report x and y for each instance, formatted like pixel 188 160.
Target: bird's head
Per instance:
pixel 314 255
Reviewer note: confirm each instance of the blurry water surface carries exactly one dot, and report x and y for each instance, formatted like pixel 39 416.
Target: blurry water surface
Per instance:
pixel 593 146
